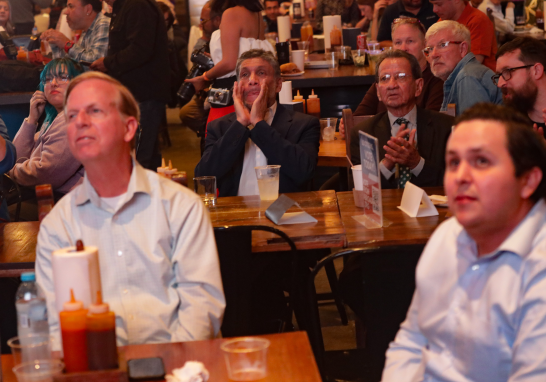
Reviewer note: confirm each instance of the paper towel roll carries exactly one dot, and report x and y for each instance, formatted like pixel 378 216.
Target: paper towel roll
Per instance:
pixel 328 23
pixel 283 28
pixel 285 95
pixel 77 270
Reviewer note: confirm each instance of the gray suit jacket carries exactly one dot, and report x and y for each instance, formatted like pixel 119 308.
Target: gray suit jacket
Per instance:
pixel 433 130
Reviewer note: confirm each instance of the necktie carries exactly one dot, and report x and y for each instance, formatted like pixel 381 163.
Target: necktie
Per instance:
pixel 404 173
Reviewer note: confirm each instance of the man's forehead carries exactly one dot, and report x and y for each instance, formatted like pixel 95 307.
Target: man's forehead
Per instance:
pixel 478 135
pixel 255 63
pixel 510 59
pixel 108 92
pixel 394 64
pixel 444 34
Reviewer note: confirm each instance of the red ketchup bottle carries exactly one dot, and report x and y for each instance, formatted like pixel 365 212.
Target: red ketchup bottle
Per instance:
pixel 101 336
pixel 73 320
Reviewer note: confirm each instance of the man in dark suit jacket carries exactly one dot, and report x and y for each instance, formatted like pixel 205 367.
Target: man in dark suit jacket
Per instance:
pixel 379 291
pixel 423 153
pixel 252 136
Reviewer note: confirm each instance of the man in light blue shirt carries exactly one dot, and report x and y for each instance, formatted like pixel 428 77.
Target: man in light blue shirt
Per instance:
pixel 466 81
pixel 479 309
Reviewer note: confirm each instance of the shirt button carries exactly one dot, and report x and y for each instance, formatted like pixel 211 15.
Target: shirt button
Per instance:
pixel 120 253
pixel 475 267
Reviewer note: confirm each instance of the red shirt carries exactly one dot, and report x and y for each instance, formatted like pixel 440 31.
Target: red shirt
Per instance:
pixel 482 34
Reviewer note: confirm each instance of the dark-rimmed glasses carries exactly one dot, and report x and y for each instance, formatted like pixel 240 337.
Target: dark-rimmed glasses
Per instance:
pixel 440 46
pixel 409 20
pixel 507 73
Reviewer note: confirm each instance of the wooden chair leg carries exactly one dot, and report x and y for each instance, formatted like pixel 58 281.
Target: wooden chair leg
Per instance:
pixel 332 279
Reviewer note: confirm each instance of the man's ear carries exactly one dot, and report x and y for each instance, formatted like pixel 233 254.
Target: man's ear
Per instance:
pixel 278 85
pixel 131 127
pixel 463 47
pixel 418 87
pixel 530 182
pixel 538 71
pixel 88 9
pixel 378 95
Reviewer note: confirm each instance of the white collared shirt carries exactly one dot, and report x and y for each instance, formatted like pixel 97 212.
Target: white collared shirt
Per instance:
pixel 254 157
pixel 412 125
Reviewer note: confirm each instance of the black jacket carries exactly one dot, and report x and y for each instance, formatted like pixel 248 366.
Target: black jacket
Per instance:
pixel 291 141
pixel 433 129
pixel 137 51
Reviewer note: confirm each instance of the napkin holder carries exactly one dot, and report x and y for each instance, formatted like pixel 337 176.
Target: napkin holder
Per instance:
pixel 277 212
pixel 113 375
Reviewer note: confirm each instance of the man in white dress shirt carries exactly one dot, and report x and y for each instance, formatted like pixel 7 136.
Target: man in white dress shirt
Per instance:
pixel 479 307
pixel 158 260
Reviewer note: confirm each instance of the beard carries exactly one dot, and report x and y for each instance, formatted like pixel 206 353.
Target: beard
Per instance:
pixel 524 99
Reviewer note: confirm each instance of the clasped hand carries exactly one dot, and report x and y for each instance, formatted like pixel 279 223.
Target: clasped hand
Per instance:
pixel 37 106
pixel 259 107
pixel 400 151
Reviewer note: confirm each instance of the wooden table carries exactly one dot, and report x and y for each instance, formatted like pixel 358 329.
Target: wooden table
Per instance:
pixel 333 153
pixel 403 230
pixel 289 358
pixel 17 247
pixel 249 210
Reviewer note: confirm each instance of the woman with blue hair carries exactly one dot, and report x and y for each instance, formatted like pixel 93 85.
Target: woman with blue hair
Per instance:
pixel 43 156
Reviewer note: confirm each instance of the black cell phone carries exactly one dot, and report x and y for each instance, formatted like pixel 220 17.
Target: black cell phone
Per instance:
pixel 145 368
pixel 85 63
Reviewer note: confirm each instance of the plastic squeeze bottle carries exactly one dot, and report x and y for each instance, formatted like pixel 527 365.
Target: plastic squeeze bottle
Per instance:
pixel 101 336
pixel 299 98
pixel 73 319
pixel 313 104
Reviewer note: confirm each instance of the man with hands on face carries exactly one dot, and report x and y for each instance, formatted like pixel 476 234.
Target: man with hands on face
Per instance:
pixel 260 132
pixel 410 138
pixel 93 43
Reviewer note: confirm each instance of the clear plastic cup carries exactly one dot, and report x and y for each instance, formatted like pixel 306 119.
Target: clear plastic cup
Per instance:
pixel 304 45
pixel 246 358
pixel 359 57
pixel 328 128
pixel 333 60
pixel 30 348
pixel 38 371
pixel 268 181
pixel 205 187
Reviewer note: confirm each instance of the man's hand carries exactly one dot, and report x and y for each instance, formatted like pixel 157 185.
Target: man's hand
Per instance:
pixel 379 5
pixel 401 151
pixel 243 115
pixel 510 5
pixel 37 106
pixel 199 83
pixel 99 65
pixel 54 37
pixel 538 130
pixel 342 129
pixel 259 107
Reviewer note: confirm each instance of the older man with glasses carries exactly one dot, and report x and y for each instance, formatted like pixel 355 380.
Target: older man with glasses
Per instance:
pixel 466 81
pixel 521 78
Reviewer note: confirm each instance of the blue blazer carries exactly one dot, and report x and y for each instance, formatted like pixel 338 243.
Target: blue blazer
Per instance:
pixel 292 141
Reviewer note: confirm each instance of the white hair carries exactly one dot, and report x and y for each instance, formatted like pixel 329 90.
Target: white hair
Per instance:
pixel 459 31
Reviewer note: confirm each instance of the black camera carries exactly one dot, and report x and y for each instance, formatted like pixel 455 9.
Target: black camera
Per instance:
pixel 201 63
pixel 10 49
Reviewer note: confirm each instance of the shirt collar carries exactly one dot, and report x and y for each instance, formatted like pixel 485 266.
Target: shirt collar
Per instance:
pixel 466 59
pixel 138 183
pixel 411 117
pixel 520 241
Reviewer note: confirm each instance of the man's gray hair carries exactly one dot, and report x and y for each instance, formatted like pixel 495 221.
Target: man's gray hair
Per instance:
pixel 414 64
pixel 459 31
pixel 259 53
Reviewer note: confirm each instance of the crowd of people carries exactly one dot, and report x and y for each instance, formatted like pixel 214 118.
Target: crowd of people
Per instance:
pixel 92 133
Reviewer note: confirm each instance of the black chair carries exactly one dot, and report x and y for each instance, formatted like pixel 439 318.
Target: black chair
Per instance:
pixel 236 264
pixel 359 364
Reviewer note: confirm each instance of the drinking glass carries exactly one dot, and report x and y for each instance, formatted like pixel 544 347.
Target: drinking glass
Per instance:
pixel 246 358
pixel 38 371
pixel 333 60
pixel 30 348
pixel 268 181
pixel 328 128
pixel 205 187
pixel 304 45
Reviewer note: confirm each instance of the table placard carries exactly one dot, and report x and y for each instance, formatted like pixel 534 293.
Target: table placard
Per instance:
pixel 278 215
pixel 371 182
pixel 416 203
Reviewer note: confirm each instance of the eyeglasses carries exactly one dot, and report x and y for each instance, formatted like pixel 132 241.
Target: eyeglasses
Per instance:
pixel 409 20
pixel 440 46
pixel 398 77
pixel 60 79
pixel 506 74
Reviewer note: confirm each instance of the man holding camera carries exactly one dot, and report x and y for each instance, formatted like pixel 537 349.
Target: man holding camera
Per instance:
pixel 260 132
pixel 138 58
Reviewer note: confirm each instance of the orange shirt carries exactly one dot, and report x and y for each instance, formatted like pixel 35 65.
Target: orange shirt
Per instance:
pixel 482 34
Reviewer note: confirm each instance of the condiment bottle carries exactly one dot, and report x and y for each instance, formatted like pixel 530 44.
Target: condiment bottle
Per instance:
pixel 299 98
pixel 313 104
pixel 161 170
pixel 335 37
pixel 73 321
pixel 170 171
pixel 101 336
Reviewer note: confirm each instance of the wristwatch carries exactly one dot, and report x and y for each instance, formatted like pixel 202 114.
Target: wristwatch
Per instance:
pixel 68 45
